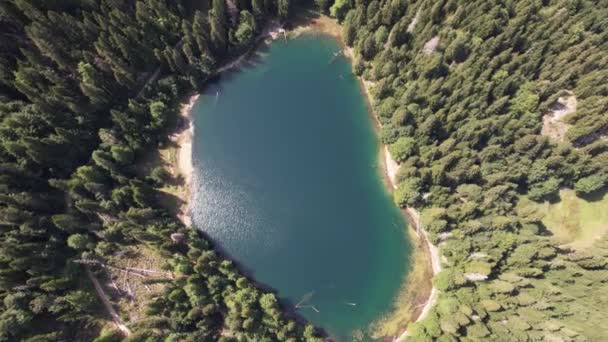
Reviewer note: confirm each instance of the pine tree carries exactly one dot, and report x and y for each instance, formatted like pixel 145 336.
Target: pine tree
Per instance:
pixel 283 9
pixel 218 18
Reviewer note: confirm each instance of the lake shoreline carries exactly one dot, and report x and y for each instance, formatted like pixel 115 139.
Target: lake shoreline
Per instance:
pixel 183 137
pixel 390 167
pixel 183 164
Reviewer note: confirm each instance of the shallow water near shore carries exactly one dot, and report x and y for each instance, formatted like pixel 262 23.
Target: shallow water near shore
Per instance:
pixel 287 181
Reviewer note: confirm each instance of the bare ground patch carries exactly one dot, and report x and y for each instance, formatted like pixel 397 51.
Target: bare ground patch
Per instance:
pixel 412 25
pixel 431 45
pixel 553 124
pixel 126 279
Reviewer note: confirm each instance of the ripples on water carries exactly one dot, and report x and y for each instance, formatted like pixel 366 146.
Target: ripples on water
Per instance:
pixel 282 182
pixel 230 214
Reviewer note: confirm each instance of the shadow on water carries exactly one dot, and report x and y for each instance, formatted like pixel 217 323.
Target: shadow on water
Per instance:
pixel 251 60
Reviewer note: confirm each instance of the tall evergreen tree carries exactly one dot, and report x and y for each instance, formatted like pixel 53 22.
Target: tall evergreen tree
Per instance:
pixel 218 19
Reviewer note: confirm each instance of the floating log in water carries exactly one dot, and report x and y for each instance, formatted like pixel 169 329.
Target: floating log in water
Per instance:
pixel 336 55
pixel 308 306
pixel 305 298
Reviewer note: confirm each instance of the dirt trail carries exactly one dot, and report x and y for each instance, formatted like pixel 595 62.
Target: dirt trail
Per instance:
pixel 107 305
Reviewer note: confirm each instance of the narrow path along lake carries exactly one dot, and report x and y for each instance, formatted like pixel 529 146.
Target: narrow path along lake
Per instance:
pixel 288 182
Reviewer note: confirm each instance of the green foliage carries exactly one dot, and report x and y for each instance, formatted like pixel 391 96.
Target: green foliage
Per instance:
pixel 464 121
pixel 86 88
pixel 79 241
pixel 408 193
pixel 284 9
pixel 403 148
pixel 245 33
pixel 458 50
pixel 322 5
pixel 590 184
pixel 218 19
pixel 339 9
pixel 160 175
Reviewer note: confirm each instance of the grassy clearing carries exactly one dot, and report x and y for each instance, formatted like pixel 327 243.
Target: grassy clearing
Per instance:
pixel 579 291
pixel 576 222
pixel 412 296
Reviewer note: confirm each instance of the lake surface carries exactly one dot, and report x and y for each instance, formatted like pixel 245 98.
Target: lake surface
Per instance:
pixel 287 182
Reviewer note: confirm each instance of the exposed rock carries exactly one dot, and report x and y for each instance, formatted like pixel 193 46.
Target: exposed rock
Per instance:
pixel 431 45
pixel 475 276
pixel 178 238
pixel 477 255
pixel 444 236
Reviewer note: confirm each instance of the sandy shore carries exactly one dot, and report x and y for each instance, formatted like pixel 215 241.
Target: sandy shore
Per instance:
pixel 184 134
pixel 391 167
pixel 183 164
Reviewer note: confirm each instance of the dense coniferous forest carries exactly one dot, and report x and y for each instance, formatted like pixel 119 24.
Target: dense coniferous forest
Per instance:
pixel 460 87
pixel 85 88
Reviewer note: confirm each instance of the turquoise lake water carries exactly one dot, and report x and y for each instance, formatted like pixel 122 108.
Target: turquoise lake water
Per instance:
pixel 287 183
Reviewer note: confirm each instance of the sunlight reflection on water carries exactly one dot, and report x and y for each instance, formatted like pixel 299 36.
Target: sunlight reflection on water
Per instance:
pixel 229 213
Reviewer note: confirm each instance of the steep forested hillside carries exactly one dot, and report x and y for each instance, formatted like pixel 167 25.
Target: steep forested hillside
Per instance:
pixel 461 88
pixel 86 87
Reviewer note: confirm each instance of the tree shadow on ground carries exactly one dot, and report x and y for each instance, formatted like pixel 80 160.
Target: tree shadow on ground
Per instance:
pixel 595 196
pixel 169 201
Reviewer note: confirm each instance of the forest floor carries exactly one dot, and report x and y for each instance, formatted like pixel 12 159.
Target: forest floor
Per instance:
pixel 122 284
pixel 126 280
pixel 553 124
pixel 576 222
pixel 107 304
pixel 417 295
